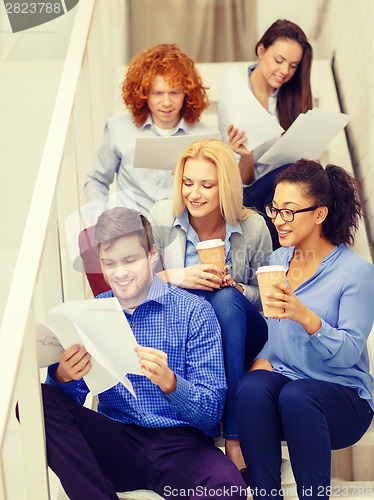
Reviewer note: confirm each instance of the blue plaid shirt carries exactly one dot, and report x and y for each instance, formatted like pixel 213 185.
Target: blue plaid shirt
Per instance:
pixel 186 329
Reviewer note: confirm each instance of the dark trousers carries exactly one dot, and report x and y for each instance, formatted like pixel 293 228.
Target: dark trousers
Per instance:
pixel 95 456
pixel 260 193
pixel 313 416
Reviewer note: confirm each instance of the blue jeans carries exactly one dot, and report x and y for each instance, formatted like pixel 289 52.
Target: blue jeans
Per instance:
pixel 313 416
pixel 244 333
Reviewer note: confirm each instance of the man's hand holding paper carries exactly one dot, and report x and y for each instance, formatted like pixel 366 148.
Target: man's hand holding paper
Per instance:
pixel 154 364
pixel 74 364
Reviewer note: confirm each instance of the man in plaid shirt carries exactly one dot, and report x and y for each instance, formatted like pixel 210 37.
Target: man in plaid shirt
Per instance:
pixel 161 440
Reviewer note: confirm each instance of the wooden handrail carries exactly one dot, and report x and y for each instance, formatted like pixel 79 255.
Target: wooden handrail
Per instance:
pixel 22 289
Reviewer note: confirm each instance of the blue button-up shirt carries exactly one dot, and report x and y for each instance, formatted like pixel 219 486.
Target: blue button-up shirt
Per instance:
pixel 186 329
pixel 341 293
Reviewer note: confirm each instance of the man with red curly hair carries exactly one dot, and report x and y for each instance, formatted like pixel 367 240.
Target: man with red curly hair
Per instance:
pixel 165 96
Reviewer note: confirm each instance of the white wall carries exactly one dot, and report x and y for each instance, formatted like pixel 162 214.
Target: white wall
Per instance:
pixel 5 29
pixel 45 42
pixel 348 29
pixel 305 13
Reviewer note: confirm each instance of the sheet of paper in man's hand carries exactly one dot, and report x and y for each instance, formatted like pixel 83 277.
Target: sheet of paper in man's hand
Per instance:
pixel 101 326
pixel 245 112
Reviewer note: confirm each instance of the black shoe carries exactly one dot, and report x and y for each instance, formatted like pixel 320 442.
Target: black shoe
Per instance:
pixel 243 473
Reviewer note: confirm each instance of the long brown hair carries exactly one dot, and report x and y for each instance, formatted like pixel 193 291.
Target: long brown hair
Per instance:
pixel 295 96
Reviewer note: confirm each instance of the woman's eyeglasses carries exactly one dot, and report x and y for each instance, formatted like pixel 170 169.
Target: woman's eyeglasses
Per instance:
pixel 287 214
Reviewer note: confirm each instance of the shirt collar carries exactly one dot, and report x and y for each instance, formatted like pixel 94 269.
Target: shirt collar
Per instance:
pixel 184 223
pixel 288 253
pixel 157 291
pixel 233 229
pixel 182 125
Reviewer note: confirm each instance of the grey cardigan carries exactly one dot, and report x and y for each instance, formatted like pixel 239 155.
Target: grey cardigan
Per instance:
pixel 249 250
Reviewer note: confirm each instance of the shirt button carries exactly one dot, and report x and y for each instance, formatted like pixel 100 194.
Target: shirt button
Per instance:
pixel 135 386
pixel 318 334
pixel 134 324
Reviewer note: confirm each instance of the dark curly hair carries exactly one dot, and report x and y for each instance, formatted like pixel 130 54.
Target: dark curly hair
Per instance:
pixel 295 96
pixel 168 61
pixel 334 188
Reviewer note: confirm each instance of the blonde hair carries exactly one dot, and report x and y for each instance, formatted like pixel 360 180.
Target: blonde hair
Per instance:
pixel 229 181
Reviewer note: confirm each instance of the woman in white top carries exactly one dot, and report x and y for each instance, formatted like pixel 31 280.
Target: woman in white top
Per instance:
pixel 280 81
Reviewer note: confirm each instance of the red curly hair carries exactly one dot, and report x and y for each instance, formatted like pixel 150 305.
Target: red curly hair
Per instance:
pixel 168 61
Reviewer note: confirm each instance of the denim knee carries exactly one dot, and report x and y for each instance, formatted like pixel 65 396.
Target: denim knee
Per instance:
pixel 253 388
pixel 222 300
pixel 228 306
pixel 298 396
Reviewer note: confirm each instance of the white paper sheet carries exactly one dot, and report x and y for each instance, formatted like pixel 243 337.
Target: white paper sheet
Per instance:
pixel 48 346
pixel 308 137
pixel 101 326
pixel 164 152
pixel 244 110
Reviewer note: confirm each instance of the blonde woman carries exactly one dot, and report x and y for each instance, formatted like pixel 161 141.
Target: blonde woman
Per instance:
pixel 207 204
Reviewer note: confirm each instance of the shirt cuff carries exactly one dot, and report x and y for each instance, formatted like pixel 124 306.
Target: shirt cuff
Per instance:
pixel 321 343
pixel 67 388
pixel 180 395
pixel 318 334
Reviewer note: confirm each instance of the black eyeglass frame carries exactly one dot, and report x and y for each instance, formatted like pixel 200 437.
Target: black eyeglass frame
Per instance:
pixel 279 211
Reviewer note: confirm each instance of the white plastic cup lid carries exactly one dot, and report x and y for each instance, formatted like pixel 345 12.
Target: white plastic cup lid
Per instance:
pixel 203 245
pixel 270 269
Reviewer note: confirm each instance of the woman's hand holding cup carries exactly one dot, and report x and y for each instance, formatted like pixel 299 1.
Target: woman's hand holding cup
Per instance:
pixel 203 277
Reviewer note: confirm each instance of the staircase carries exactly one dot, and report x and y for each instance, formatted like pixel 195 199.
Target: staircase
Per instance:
pixel 28 92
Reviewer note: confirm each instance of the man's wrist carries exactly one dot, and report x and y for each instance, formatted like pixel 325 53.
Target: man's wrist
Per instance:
pixel 171 385
pixel 59 378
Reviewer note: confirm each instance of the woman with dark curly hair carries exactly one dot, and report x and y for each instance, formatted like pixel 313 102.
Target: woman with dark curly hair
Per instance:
pixel 165 96
pixel 311 383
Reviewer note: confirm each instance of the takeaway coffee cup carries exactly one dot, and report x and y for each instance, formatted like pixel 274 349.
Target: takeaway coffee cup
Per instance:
pixel 266 275
pixel 212 252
